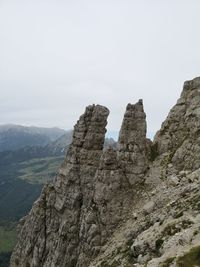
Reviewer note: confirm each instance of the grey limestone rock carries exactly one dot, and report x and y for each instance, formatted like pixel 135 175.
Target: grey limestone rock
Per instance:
pixel 136 204
pixel 179 136
pixel 77 213
pixel 133 144
pixel 52 232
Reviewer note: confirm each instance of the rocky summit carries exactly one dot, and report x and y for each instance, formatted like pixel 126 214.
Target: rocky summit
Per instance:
pixel 134 205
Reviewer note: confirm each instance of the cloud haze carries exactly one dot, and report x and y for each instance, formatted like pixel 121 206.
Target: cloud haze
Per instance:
pixel 58 56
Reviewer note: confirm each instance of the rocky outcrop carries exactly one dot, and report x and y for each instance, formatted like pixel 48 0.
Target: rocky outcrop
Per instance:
pixel 133 205
pixel 179 136
pixel 163 227
pixel 55 219
pixel 132 143
pixel 91 195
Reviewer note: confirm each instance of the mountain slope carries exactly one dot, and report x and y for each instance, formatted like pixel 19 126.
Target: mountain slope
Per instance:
pixel 136 205
pixel 24 170
pixel 87 193
pixel 163 228
pixel 13 137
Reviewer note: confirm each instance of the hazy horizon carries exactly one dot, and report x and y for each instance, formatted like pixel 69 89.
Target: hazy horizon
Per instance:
pixel 57 57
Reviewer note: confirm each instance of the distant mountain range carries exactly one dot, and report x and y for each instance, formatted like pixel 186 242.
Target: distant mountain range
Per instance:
pixel 13 137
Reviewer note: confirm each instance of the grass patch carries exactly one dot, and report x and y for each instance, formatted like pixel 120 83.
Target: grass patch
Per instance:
pixel 40 170
pixel 190 259
pixel 7 239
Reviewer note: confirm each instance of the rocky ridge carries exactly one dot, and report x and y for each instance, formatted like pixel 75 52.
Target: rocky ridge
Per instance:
pixel 137 205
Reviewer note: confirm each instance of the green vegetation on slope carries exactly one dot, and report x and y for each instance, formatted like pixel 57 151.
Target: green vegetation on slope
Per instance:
pixel 17 196
pixel 7 241
pixel 5 259
pixel 39 170
pixel 190 259
pixel 16 199
pixel 7 237
pixel 21 184
pixel 22 175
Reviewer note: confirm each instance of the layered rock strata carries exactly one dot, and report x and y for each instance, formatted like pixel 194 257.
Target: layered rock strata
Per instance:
pixel 163 229
pixel 179 136
pixel 137 205
pixel 132 143
pixel 91 195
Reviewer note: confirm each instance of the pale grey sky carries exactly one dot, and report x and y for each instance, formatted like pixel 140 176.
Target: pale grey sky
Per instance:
pixel 57 56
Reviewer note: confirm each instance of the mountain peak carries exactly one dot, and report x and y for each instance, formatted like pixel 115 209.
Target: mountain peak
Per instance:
pixel 136 205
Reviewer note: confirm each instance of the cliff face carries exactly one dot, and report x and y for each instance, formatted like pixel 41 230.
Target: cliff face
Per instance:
pixel 180 133
pixel 91 194
pixel 137 205
pixel 132 143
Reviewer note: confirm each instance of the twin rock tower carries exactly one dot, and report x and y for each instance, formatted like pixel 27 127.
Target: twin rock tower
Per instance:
pixel 96 190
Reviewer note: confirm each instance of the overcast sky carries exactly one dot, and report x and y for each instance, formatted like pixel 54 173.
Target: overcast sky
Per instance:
pixel 57 56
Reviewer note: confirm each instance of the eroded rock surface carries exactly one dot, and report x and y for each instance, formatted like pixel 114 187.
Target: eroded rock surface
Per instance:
pixel 136 205
pixel 132 143
pixel 91 195
pixel 179 136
